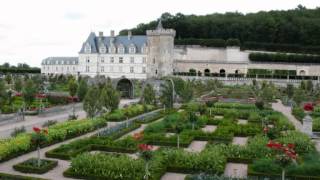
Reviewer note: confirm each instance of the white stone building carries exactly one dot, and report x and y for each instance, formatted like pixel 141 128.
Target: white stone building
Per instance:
pixel 154 55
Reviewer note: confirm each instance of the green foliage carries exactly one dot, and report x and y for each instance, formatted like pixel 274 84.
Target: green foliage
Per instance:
pixel 9 147
pixel 29 92
pixel 30 166
pixel 166 97
pixel 233 42
pixel 91 102
pixel 290 90
pixel 72 86
pixel 279 57
pixel 303 143
pixel 82 89
pixel 149 95
pixel 18 84
pixel 109 97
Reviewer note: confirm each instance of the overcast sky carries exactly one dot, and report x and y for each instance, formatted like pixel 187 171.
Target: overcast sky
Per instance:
pixel 31 30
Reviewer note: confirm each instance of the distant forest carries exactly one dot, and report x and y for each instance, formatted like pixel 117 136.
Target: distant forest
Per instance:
pixel 298 26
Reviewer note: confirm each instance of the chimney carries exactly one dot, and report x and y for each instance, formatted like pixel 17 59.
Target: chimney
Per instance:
pixel 112 33
pixel 129 34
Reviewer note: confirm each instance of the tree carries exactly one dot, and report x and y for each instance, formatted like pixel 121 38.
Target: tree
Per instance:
pixel 82 89
pixel 290 90
pixel 149 95
pixel 8 78
pixel 109 97
pixel 18 84
pixel 309 86
pixel 166 97
pixel 73 86
pixel 91 102
pixel 29 92
pixel 3 93
pixel 299 96
pixel 186 93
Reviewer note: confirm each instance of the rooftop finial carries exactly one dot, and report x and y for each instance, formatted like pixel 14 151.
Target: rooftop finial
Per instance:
pixel 159 24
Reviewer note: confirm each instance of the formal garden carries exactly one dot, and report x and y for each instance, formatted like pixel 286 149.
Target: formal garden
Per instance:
pixel 216 132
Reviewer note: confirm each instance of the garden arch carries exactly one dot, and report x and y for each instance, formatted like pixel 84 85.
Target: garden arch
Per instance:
pixel 207 72
pixel 125 87
pixel 222 72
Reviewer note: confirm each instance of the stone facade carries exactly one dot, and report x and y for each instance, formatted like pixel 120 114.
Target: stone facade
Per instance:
pixel 154 56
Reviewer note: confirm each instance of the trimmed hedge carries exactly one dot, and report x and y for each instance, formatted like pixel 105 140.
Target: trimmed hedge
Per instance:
pixel 30 166
pixel 20 70
pixel 5 176
pixel 281 57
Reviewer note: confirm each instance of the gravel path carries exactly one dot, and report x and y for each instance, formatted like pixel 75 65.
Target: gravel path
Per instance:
pixel 242 121
pixel 209 128
pixel 236 170
pixel 196 146
pixel 173 176
pixel 278 106
pixel 242 141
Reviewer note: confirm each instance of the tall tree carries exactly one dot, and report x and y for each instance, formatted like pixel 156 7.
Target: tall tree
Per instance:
pixel 82 89
pixel 91 102
pixel 18 84
pixel 73 86
pixel 109 97
pixel 29 91
pixel 166 97
pixel 149 95
pixel 3 93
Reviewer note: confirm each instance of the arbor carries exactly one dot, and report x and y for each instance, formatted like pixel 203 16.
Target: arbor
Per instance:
pixel 149 95
pixel 82 89
pixel 91 102
pixel 109 97
pixel 29 92
pixel 72 86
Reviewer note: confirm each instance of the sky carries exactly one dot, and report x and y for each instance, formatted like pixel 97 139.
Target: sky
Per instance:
pixel 31 30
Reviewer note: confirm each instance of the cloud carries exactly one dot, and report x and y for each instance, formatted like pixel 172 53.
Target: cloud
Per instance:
pixel 73 16
pixel 43 43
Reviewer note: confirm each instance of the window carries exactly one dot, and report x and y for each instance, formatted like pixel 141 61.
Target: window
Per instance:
pixel 121 50
pixel 132 50
pixel 120 59
pixel 56 68
pixel 131 70
pixel 74 68
pixel 120 69
pixel 68 68
pixel 102 68
pixel 111 68
pixel 144 60
pixel 102 59
pixel 143 69
pixel 154 60
pixel 131 60
pixel 87 59
pixel 102 49
pixel 111 59
pixel 87 69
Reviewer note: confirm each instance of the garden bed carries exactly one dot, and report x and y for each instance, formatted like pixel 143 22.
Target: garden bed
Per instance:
pixel 4 176
pixel 30 166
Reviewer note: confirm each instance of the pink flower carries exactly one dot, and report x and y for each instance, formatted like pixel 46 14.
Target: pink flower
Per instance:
pixel 145 147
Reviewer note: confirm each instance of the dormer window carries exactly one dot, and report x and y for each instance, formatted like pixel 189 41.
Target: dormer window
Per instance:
pixel 87 48
pixel 132 49
pixel 103 49
pixel 112 49
pixel 121 49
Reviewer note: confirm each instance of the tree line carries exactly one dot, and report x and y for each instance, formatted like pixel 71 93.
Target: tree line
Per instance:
pixel 299 26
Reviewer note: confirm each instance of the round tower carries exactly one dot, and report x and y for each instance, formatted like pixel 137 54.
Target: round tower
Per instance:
pixel 160 56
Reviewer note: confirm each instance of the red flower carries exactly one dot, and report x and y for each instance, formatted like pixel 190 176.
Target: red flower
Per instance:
pixel 308 107
pixel 18 94
pixel 36 129
pixel 291 146
pixel 145 147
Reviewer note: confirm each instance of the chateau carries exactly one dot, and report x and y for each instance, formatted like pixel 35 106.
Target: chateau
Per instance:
pixel 154 55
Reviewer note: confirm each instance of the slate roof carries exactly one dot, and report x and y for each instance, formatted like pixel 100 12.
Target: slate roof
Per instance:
pixel 60 60
pixel 94 41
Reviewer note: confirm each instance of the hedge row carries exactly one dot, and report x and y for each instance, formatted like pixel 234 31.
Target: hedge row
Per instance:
pixel 17 177
pixel 294 48
pixel 20 70
pixel 29 166
pixel 281 57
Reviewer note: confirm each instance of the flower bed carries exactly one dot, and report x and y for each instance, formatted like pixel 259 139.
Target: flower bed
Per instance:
pixel 131 111
pixel 30 166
